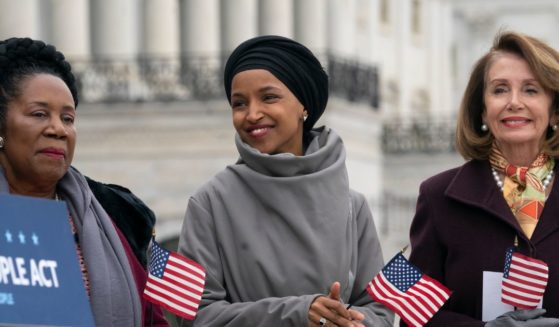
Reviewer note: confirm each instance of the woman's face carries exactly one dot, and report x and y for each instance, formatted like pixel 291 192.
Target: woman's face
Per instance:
pixel 266 114
pixel 40 135
pixel 517 107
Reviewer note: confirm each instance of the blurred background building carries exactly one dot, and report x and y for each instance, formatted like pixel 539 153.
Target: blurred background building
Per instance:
pixel 153 115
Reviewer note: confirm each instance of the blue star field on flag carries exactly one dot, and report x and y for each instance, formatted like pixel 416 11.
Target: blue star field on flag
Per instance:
pixel 174 282
pixel 401 273
pixel 403 288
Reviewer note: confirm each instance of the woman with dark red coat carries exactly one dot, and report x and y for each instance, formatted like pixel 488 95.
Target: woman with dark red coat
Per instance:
pixel 504 195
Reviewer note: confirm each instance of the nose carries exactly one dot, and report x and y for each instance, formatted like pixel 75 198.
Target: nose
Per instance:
pixel 56 128
pixel 254 112
pixel 515 102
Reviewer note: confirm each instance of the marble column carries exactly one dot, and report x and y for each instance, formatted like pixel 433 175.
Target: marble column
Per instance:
pixel 160 49
pixel 341 28
pixel 160 28
pixel 440 52
pixel 69 27
pixel 367 30
pixel 114 29
pixel 20 19
pixel 200 21
pixel 276 17
pixel 240 22
pixel 402 29
pixel 310 24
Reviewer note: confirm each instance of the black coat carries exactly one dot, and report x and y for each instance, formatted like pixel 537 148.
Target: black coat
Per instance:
pixel 134 219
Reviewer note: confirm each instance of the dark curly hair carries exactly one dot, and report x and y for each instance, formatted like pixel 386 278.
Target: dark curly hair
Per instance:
pixel 21 58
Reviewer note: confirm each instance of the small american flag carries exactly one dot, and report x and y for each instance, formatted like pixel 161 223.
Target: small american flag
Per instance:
pixel 174 282
pixel 524 280
pixel 402 287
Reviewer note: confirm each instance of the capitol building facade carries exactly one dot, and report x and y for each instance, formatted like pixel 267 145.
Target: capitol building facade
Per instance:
pixel 153 115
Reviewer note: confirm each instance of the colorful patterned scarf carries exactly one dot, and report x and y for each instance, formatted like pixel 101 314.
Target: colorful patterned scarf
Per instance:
pixel 523 188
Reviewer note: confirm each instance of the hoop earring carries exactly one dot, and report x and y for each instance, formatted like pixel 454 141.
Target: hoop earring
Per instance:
pixel 1 142
pixel 484 128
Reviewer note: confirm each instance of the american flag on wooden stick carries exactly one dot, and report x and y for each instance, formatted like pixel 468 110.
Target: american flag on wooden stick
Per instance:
pixel 174 282
pixel 402 287
pixel 524 280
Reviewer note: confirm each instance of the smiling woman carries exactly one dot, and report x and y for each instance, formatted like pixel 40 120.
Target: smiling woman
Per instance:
pixel 38 100
pixel 283 238
pixel 266 114
pixel 505 195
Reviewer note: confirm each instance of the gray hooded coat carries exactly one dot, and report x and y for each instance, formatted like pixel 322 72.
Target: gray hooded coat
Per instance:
pixel 275 231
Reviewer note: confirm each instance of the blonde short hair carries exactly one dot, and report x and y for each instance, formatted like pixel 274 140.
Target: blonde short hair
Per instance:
pixel 471 141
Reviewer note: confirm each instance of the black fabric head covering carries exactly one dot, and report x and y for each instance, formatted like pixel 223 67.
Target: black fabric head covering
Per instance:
pixel 290 62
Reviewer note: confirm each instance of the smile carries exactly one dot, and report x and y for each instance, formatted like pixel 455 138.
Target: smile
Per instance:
pixel 258 132
pixel 516 122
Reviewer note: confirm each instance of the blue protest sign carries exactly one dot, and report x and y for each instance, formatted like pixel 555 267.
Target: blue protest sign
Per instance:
pixel 40 278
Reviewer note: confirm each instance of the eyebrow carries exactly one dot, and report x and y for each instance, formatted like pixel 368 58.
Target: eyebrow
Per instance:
pixel 506 80
pixel 46 104
pixel 263 89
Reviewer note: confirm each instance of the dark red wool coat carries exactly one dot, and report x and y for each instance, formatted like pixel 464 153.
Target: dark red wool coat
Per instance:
pixel 463 227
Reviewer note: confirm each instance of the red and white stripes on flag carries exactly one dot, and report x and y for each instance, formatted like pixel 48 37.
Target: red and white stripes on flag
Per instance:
pixel 524 280
pixel 402 287
pixel 174 282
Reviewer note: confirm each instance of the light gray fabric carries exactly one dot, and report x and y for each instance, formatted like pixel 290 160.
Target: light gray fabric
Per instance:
pixel 523 318
pixel 275 231
pixel 114 297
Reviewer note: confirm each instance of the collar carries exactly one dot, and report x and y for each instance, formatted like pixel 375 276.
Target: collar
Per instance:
pixel 473 184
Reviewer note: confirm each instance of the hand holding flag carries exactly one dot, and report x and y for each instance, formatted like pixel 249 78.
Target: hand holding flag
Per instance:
pixel 174 282
pixel 524 280
pixel 402 287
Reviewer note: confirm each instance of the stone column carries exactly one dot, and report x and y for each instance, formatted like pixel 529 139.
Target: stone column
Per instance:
pixel 114 28
pixel 200 27
pixel 276 17
pixel 160 28
pixel 367 27
pixel 159 50
pixel 310 24
pixel 341 27
pixel 69 27
pixel 402 33
pixel 440 52
pixel 240 23
pixel 200 46
pixel 20 18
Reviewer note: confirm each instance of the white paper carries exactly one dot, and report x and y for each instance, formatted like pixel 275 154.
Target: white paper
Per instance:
pixel 492 307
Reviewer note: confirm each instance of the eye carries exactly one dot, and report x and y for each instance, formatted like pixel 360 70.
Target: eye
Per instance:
pixel 531 90
pixel 68 119
pixel 39 114
pixel 237 104
pixel 500 90
pixel 270 97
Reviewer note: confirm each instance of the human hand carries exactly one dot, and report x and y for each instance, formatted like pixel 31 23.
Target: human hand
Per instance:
pixel 524 318
pixel 333 312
